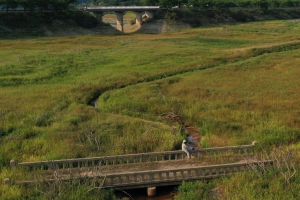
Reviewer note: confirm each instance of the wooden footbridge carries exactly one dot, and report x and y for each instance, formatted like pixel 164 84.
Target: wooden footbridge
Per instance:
pixel 145 170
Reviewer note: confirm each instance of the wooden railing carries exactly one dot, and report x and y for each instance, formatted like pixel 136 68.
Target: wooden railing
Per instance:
pixel 131 158
pixel 143 179
pixel 165 177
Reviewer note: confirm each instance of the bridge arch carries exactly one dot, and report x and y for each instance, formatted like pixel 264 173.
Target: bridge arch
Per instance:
pixel 119 11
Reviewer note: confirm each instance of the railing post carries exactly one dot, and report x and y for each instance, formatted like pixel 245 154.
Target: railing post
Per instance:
pixel 240 168
pixel 126 178
pixel 112 180
pixel 181 174
pixel 135 178
pixel 174 175
pixel 200 153
pixel 229 170
pixel 233 168
pixel 158 175
pixel 151 176
pixel 207 152
pixel 12 163
pixel 189 173
pixel 210 171
pixel 7 181
pixel 217 171
pixel 167 175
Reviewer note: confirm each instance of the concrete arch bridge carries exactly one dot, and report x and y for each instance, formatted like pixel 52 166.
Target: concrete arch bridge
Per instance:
pixel 99 11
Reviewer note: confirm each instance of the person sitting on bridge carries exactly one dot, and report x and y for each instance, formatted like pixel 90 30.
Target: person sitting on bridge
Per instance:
pixel 186 148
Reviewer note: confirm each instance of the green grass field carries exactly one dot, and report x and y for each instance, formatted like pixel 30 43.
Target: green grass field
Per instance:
pixel 234 83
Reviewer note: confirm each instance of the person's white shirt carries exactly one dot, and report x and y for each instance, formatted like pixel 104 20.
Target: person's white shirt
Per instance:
pixel 186 148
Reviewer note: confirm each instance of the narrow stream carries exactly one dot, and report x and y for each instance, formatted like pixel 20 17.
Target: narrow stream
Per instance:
pixel 162 193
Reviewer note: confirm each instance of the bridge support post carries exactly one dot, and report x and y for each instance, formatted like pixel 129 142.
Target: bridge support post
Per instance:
pixel 98 15
pixel 149 14
pixel 151 191
pixel 12 163
pixel 139 18
pixel 6 181
pixel 120 20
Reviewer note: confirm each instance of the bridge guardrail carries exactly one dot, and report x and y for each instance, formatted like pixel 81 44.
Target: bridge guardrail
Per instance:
pixel 161 177
pixel 143 179
pixel 130 158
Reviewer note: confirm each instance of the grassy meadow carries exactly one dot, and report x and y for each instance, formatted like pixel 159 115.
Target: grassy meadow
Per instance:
pixel 234 83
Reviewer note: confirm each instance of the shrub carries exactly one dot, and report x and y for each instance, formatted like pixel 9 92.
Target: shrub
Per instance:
pixel 273 49
pixel 85 20
pixel 132 22
pixel 239 16
pixel 197 190
pixel 42 119
pixel 34 20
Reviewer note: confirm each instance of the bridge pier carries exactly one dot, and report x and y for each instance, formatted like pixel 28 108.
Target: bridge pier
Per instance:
pixel 151 191
pixel 139 18
pixel 6 181
pixel 12 163
pixel 120 20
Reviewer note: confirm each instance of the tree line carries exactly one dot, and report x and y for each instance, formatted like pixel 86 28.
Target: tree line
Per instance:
pixel 265 4
pixel 33 5
pixel 42 5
